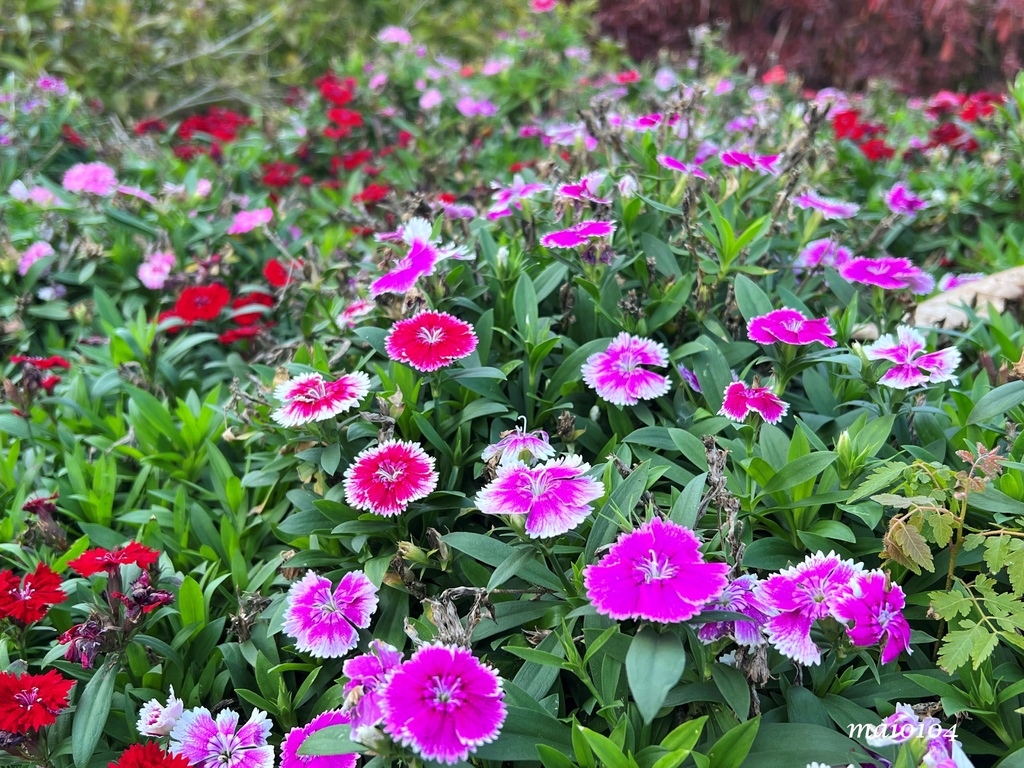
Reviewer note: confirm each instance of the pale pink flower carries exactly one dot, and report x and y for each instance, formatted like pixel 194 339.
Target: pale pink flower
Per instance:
pixel 828 207
pixel 901 200
pixel 789 326
pixel 578 234
pixel 430 99
pixel 203 187
pixel 912 368
pixel 93 178
pixel 496 65
pixel 949 281
pixel 358 308
pixel 154 271
pixel 396 35
pixel 740 400
pixel 156 719
pixel 628 186
pixel 388 477
pixel 673 164
pixel 516 443
pixel 323 618
pixel 825 252
pixel 470 107
pixel 209 743
pixel 35 252
pixel 247 221
pixel 555 496
pixel 309 397
pixel 887 272
pixel 506 198
pixel 617 376
pixel 138 192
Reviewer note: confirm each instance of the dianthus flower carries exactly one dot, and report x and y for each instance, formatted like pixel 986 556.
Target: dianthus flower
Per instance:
pixel 29 598
pixel 397 35
pixel 876 610
pixel 943 748
pixel 367 675
pixel 309 397
pixel 154 271
pixel 220 743
pixel 949 281
pixel 673 164
pixel 358 308
pixel 419 262
pixel 876 149
pixel 372 193
pixel 617 374
pixel 30 702
pixel 240 334
pixel 515 443
pixel 739 400
pixel 254 302
pixel 149 755
pixel 443 703
pixel 901 200
pixel 430 340
pixel 156 719
pixel 788 326
pixel 247 221
pixel 555 496
pixel 83 643
pixel 280 274
pixel 201 302
pixel 887 272
pixel 741 595
pixel 689 377
pixel 99 560
pixel 586 188
pixel 95 178
pixel 655 573
pixel 322 618
pixel 290 757
pixel 578 234
pixel 42 363
pixel 388 477
pixel 825 252
pixel 506 198
pixel 763 164
pixel 35 252
pixel 912 368
pixel 829 208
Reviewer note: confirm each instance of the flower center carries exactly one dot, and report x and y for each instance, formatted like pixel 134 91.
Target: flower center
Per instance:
pixel 628 362
pixel 538 484
pixel 446 692
pixel 27 698
pixel 431 335
pixel 24 593
pixel 314 393
pixel 656 567
pixel 389 472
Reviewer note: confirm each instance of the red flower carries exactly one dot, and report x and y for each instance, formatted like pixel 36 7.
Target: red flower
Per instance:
pixel 517 167
pixel 346 118
pixel 466 71
pixel 279 275
pixel 238 334
pixel 876 149
pixel 49 383
pixel 251 300
pixel 846 125
pixel 201 302
pixel 71 136
pixel 306 181
pixel 447 197
pixel 28 599
pixel 168 315
pixel 220 123
pixel 149 755
pixel 336 132
pixel 774 76
pixel 279 173
pixel 336 91
pixel 96 560
pixel 980 105
pixel 629 76
pixel 952 135
pixel 404 139
pixel 362 231
pixel 30 702
pixel 353 160
pixel 40 504
pixel 150 125
pixel 371 194
pixel 187 152
pixel 43 363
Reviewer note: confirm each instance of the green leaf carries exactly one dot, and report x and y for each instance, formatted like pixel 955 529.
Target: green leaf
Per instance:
pixel 800 470
pixel 881 477
pixel 91 713
pixel 687 505
pixel 605 749
pixel 494 553
pixel 332 740
pixel 552 758
pixel 734 688
pixel 731 750
pixel 997 402
pixel 654 663
pixel 686 736
pixel 752 301
pixel 970 642
pixel 190 602
pixel 524 306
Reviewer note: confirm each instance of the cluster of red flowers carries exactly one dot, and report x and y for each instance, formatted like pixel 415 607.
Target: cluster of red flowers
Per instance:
pixel 28 599
pixel 104 561
pixel 203 303
pixel 847 124
pixel 149 755
pixel 969 107
pixel 30 702
pixel 219 123
pixel 48 382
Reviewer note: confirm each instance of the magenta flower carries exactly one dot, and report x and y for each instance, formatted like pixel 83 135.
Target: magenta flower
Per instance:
pixel 741 595
pixel 739 400
pixel 506 198
pixel 321 617
pixel 829 208
pixel 555 496
pixel 656 573
pixel 616 375
pixel 825 252
pixel 887 272
pixel 949 281
pixel 93 178
pixel 220 743
pixel 138 192
pixel 35 252
pixel 367 675
pixel 309 397
pixel 763 164
pixel 789 326
pixel 516 443
pixel 673 164
pixel 419 262
pixel 689 377
pixel 397 35
pixel 290 757
pixel 912 368
pixel 388 477
pixel 902 201
pixel 247 221
pixel 876 610
pixel 578 234
pixel 586 189
pixel 443 703
pixel 358 308
pixel 801 595
pixel 430 340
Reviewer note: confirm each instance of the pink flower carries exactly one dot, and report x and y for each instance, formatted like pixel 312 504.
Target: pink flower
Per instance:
pixel 516 442
pixel 912 368
pixel 801 595
pixel 543 6
pixel 555 496
pixel 887 272
pixel 430 340
pixel 309 397
pixel 825 252
pixel 617 376
pixel 470 107
pixel 578 234
pixel 388 477
pixel 431 99
pixel 829 208
pixel 949 281
pixel 35 252
pixel 358 308
pixel 876 611
pixel 667 161
pixel 689 377
pixel 247 221
pixel 655 573
pixel 290 757
pixel 154 271
pixel 137 192
pixel 419 262
pixel 901 200
pixel 156 719
pixel 741 595
pixel 94 178
pixel 586 189
pixel 443 703
pixel 506 198
pixel 321 616
pixel 740 400
pixel 220 743
pixel 763 164
pixel 367 675
pixel 789 326
pixel 397 35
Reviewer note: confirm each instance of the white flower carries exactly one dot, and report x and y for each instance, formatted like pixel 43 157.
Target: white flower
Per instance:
pixel 157 720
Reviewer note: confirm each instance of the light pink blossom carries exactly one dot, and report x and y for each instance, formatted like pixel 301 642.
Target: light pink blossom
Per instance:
pixel 828 207
pixel 247 221
pixel 35 252
pixel 156 719
pixel 517 443
pixel 740 400
pixel 93 178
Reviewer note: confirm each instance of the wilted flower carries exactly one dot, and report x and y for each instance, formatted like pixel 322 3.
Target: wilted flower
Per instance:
pixel 912 368
pixel 739 400
pixel 309 397
pixel 321 616
pixel 617 376
pixel 828 207
pixel 789 326
pixel 388 477
pixel 887 272
pixel 220 743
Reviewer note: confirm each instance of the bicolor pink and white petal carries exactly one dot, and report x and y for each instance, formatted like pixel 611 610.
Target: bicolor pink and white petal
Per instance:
pixel 875 609
pixel 826 206
pixel 386 478
pixel 367 675
pixel 740 400
pixel 578 234
pixel 887 272
pixel 420 261
pixel 323 618
pixel 219 743
pixel 310 397
pixel 789 326
pixel 430 340
pixel 741 595
pixel 520 445
pixel 617 374
pixel 912 368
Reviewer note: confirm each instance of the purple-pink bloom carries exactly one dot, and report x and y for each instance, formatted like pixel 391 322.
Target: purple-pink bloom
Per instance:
pixel 912 368
pixel 397 35
pixel 828 207
pixel 290 757
pixel 430 99
pixel 887 272
pixel 386 478
pixel 689 377
pixel 35 252
pixel 52 84
pixel 220 743
pixel 555 496
pixel 586 188
pixel 739 400
pixel 674 164
pixel 578 234
pixel 322 618
pixel 825 252
pixel 763 164
pixel 617 376
pixel 506 198
pixel 94 178
pixel 515 443
pixel 154 271
pixel 443 703
pixel 367 675
pixel 901 200
pixel 876 610
pixel 247 221
pixel 741 595
pixel 949 281
pixel 470 107
pixel 358 308
pixel 655 573
pixel 419 262
pixel 309 397
pixel 789 326
pixel 801 595
pixel 138 192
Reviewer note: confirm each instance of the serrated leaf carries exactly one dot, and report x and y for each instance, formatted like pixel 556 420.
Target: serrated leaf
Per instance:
pixel 949 605
pixel 997 548
pixel 1015 569
pixel 940 527
pixel 970 642
pixel 881 477
pixel 912 544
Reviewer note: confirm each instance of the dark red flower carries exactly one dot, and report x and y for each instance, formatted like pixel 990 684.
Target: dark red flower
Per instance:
pixel 83 642
pixel 876 149
pixel 279 275
pixel 43 363
pixel 201 302
pixel 142 597
pixel 517 167
pixel 293 97
pixel 239 334
pixel 279 173
pixel 28 599
pixel 952 135
pixel 847 125
pixel 306 181
pixel 98 560
pixel 353 160
pixel 404 139
pixel 253 300
pixel 371 194
pixel 338 92
pixel 149 755
pixel 30 702
pixel 346 118
pixel 218 122
pixel 150 125
pixel 49 383
pixel 336 132
pixel 71 136
pixel 362 231
pixel 386 151
pixel 187 152
pixel 42 504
